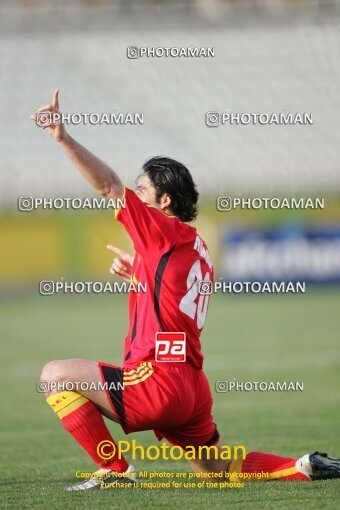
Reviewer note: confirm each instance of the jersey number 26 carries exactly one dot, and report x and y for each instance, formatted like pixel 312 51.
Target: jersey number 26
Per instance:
pixel 189 304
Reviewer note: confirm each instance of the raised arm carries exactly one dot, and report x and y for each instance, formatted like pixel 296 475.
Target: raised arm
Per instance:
pixel 95 171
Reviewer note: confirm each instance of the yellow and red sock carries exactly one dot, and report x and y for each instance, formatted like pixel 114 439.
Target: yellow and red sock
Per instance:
pixel 277 467
pixel 81 418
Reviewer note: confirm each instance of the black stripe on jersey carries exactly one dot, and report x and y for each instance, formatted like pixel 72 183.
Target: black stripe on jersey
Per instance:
pixel 158 282
pixel 134 329
pixel 133 334
pixel 215 437
pixel 115 375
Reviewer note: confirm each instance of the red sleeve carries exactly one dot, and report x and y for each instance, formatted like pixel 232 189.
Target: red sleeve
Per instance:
pixel 149 229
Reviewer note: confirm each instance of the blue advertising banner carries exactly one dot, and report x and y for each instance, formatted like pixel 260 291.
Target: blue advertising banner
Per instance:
pixel 288 253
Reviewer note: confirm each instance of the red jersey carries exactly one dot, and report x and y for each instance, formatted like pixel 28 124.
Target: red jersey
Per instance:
pixel 170 259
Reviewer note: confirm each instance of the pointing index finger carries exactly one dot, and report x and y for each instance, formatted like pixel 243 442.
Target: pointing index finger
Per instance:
pixel 55 101
pixel 116 250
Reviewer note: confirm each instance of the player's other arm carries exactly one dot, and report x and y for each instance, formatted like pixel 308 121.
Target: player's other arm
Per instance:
pixel 95 171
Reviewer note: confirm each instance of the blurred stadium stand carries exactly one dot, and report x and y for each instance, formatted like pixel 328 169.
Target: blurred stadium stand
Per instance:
pixel 199 7
pixel 262 68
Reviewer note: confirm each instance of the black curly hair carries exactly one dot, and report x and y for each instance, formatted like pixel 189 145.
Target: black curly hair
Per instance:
pixel 169 176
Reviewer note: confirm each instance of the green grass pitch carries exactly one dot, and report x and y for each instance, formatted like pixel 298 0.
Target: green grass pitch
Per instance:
pixel 247 338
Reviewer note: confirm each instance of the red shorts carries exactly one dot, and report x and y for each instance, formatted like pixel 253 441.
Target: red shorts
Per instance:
pixel 175 402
